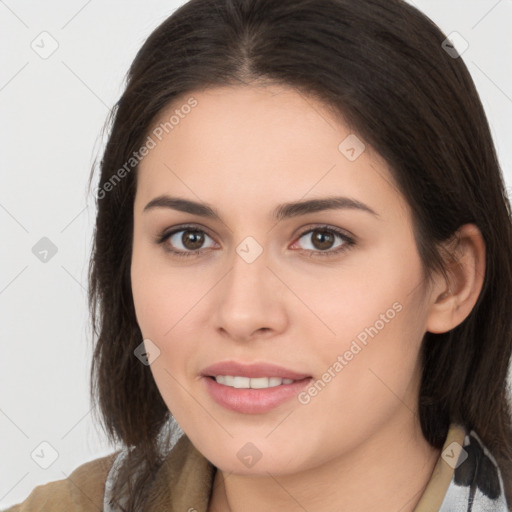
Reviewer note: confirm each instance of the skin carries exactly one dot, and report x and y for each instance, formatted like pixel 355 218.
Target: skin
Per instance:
pixel 358 442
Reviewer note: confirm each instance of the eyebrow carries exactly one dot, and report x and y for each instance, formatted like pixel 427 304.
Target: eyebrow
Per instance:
pixel 281 212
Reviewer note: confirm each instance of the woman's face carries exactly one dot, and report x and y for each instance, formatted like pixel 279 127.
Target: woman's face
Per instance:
pixel 329 297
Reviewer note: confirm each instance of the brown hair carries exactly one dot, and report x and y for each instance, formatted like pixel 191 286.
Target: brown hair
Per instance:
pixel 381 65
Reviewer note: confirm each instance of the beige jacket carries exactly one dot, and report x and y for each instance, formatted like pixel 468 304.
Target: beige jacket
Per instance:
pixel 184 483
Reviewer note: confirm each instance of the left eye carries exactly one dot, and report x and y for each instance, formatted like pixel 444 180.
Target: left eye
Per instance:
pixel 322 239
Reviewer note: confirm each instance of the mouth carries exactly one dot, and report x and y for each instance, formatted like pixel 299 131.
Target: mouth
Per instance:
pixel 252 371
pixel 252 388
pixel 239 382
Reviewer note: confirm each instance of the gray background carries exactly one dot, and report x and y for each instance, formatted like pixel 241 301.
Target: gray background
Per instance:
pixel 53 110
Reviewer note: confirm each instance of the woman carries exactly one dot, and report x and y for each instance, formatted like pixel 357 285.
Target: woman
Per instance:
pixel 300 277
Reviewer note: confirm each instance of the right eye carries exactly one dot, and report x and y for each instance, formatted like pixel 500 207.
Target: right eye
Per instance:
pixel 184 241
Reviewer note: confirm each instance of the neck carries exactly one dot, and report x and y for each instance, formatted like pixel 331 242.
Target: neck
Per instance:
pixel 391 469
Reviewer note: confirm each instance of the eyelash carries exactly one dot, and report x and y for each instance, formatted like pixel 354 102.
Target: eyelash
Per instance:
pixel 349 242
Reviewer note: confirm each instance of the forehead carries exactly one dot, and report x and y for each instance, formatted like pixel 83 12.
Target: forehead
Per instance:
pixel 257 141
pixel 265 118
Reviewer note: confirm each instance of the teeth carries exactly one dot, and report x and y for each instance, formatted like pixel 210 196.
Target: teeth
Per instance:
pixel 241 382
pixel 248 383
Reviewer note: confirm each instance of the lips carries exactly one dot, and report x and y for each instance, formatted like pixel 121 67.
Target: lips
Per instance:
pixel 252 388
pixel 252 371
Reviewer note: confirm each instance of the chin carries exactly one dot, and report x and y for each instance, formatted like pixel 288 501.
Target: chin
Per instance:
pixel 245 458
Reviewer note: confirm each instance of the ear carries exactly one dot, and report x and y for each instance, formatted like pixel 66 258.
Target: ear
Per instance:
pixel 452 300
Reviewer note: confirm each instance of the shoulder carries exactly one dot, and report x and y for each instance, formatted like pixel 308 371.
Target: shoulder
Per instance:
pixel 81 491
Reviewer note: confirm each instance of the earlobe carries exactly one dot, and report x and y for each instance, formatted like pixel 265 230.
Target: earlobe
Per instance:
pixel 452 300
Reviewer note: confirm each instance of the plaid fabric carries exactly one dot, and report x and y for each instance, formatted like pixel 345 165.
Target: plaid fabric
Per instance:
pixel 476 484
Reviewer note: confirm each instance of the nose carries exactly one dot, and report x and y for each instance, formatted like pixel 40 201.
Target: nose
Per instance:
pixel 250 301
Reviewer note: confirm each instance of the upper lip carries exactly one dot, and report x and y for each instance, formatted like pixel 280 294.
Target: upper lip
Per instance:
pixel 251 370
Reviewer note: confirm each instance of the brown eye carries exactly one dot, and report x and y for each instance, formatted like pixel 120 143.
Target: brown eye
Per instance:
pixel 185 241
pixel 322 241
pixel 192 239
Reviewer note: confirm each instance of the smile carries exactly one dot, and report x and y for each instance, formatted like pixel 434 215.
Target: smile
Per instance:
pixel 251 383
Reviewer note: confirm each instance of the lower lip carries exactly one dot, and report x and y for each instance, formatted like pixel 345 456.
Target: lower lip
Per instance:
pixel 253 401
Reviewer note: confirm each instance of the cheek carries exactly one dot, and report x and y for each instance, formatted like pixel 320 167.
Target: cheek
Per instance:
pixel 166 301
pixel 362 387
pixel 162 295
pixel 374 350
pixel 161 314
pixel 371 365
pixel 373 302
